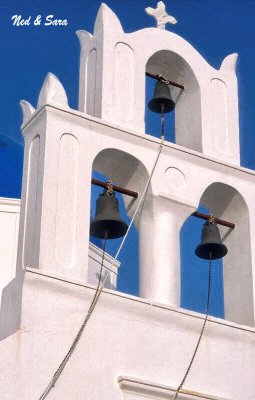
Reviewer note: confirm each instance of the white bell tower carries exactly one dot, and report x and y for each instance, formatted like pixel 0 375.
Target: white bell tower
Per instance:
pixel 107 134
pixel 112 84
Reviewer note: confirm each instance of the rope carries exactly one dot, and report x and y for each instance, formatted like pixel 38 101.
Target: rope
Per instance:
pixel 201 333
pixel 100 289
pixel 78 335
pixel 143 195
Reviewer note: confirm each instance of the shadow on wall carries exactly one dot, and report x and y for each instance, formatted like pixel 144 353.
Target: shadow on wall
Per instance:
pixel 11 303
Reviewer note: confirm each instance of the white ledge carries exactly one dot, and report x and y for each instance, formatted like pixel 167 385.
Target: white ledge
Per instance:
pixel 111 261
pixel 10 202
pixel 158 391
pixel 147 302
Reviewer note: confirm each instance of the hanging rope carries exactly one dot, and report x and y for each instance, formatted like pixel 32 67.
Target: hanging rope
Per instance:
pixel 162 120
pixel 201 333
pixel 100 289
pixel 143 195
pixel 78 336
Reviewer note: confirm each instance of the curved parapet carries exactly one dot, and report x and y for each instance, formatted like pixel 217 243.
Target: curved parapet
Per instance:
pixel 52 92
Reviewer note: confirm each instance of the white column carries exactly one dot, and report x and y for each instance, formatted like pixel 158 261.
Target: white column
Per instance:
pixel 159 239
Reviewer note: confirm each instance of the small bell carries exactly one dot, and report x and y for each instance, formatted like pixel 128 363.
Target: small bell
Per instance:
pixel 211 245
pixel 162 100
pixel 107 223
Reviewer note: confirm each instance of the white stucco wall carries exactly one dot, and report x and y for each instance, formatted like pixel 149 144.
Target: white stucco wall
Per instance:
pixel 9 222
pixel 174 193
pixel 130 348
pixel 9 219
pixel 11 277
pixel 112 84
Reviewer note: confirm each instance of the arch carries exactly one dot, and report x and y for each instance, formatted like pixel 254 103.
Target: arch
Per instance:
pixel 153 120
pixel 127 171
pixel 188 121
pixel 227 203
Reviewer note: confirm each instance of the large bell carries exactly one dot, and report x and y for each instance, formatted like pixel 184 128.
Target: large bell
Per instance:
pixel 107 223
pixel 162 100
pixel 211 245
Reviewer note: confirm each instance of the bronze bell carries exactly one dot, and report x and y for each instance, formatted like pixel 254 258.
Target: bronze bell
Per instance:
pixel 211 245
pixel 107 223
pixel 162 100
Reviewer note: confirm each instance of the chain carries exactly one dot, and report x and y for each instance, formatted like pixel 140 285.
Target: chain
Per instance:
pixel 100 289
pixel 211 219
pixel 163 80
pixel 162 121
pixel 109 188
pixel 201 333
pixel 78 335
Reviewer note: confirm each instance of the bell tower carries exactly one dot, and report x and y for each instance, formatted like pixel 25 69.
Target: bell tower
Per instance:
pixel 107 135
pixel 134 347
pixel 112 84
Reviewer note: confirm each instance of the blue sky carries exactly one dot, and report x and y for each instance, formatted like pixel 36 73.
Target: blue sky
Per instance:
pixel 215 28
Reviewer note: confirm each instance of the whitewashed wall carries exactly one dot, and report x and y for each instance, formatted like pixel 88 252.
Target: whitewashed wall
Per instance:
pixel 130 348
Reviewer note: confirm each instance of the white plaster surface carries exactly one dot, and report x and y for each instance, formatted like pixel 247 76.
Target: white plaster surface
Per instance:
pixel 9 221
pixel 112 84
pixel 52 91
pixel 140 389
pixel 9 217
pixel 27 110
pixel 128 158
pixel 126 336
pixel 11 279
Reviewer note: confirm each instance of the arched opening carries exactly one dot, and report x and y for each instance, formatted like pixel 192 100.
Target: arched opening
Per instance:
pixel 227 203
pixel 126 171
pixel 187 115
pixel 194 272
pixel 235 271
pixel 152 120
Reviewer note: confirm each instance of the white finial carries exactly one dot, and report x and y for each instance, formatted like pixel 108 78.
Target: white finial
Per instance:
pixel 160 15
pixel 27 110
pixel 52 92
